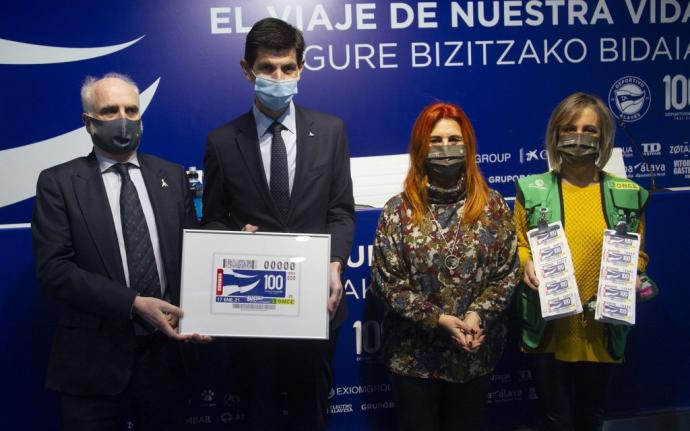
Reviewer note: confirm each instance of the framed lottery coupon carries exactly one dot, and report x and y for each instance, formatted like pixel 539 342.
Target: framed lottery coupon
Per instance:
pixel 265 285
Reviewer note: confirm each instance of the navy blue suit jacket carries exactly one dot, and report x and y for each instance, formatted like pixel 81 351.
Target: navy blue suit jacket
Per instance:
pixel 78 263
pixel 236 191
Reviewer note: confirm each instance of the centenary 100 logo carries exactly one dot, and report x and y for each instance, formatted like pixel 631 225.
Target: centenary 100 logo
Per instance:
pixel 629 98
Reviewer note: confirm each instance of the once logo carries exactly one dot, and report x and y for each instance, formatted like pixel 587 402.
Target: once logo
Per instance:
pixel 629 98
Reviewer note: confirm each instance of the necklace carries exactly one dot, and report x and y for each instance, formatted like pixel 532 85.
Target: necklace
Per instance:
pixel 451 261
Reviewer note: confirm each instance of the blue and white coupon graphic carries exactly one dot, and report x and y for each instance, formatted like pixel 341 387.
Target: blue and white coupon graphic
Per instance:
pixel 268 285
pixel 553 264
pixel 617 278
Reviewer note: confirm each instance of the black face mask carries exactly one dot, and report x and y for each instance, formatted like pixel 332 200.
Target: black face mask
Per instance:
pixel 445 164
pixel 119 136
pixel 578 149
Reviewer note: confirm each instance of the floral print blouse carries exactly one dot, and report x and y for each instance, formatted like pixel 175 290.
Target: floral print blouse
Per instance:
pixel 409 276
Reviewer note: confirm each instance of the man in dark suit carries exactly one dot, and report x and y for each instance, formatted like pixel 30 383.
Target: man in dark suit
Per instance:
pixel 283 168
pixel 107 232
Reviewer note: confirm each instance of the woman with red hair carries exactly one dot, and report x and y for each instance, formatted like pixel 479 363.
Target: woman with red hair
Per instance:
pixel 445 266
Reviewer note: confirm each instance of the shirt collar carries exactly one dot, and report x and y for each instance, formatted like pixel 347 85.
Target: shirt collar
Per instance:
pixel 105 162
pixel 263 122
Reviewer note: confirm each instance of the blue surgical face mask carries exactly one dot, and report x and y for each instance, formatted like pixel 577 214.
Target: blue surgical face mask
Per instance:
pixel 273 93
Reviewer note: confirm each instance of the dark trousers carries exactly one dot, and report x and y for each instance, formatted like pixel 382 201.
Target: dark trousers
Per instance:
pixel 572 394
pixel 435 405
pixel 295 375
pixel 155 398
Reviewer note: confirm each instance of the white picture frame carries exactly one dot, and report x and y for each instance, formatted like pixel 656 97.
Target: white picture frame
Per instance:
pixel 259 285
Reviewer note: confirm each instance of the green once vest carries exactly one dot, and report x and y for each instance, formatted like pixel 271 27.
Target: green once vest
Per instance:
pixel 622 199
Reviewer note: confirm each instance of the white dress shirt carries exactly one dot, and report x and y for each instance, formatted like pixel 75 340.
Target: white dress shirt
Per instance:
pixel 113 184
pixel 289 135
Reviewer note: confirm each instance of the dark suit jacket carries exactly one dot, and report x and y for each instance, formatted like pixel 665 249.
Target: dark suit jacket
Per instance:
pixel 236 191
pixel 78 263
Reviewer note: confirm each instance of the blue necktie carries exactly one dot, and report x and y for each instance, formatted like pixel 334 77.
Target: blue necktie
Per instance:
pixel 280 179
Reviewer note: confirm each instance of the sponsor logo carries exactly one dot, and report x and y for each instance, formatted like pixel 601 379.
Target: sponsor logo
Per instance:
pixel 537 184
pixel 340 408
pixel 625 186
pixel 684 148
pixel 502 179
pixel 229 417
pixel 676 100
pixel 492 158
pixel 331 393
pixel 524 375
pixel 379 405
pixel 681 167
pixel 363 389
pixel 629 98
pixel 651 148
pixel 207 396
pixel 504 395
pixel 226 417
pixel 534 155
pixel 198 420
pixel 645 170
pixel 502 378
pixel 231 400
pixel 232 405
pixel 627 152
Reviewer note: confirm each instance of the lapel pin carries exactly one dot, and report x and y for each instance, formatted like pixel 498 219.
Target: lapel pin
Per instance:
pixel 163 183
pixel 311 133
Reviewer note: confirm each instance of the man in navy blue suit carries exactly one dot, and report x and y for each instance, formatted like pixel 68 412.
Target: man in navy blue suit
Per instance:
pixel 283 168
pixel 107 231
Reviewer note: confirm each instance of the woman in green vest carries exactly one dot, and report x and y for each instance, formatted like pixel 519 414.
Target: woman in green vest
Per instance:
pixel 571 358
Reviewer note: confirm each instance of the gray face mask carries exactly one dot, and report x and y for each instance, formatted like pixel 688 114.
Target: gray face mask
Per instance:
pixel 445 164
pixel 578 149
pixel 119 136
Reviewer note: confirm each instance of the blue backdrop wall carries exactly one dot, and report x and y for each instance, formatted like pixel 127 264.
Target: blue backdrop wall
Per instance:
pixel 375 64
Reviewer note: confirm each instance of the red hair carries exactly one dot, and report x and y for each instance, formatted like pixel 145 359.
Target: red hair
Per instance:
pixel 415 186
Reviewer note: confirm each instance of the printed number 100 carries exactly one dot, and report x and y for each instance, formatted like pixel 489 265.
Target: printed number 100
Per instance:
pixel 273 282
pixel 367 336
pixel 677 89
